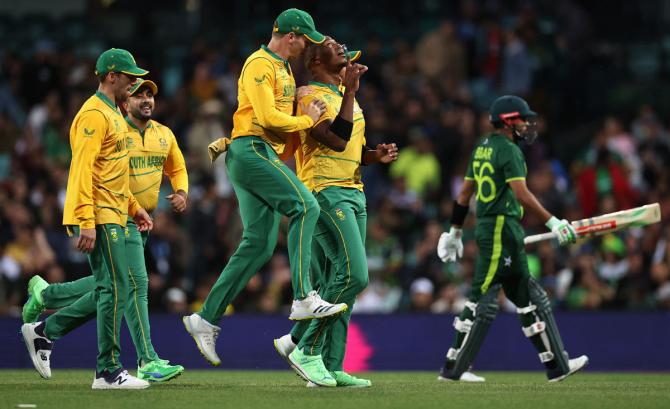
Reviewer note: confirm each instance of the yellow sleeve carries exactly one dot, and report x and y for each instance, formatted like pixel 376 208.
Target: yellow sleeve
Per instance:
pixel 133 204
pixel 258 80
pixel 307 98
pixel 90 129
pixel 175 166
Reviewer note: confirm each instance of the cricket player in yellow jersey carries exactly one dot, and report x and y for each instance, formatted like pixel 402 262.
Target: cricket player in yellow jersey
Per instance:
pixel 328 162
pixel 266 188
pixel 153 151
pixel 97 205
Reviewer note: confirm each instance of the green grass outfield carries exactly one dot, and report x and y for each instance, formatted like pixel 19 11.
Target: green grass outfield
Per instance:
pixel 282 389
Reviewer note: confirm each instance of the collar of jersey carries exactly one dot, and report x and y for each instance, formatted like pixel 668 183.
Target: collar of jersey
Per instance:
pixel 106 100
pixel 275 56
pixel 332 87
pixel 131 123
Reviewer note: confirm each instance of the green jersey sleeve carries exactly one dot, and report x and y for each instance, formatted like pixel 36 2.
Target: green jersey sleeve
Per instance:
pixel 469 173
pixel 514 164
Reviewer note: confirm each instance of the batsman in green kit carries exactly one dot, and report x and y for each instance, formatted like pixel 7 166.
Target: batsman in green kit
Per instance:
pixel 328 161
pixel 152 152
pixel 496 175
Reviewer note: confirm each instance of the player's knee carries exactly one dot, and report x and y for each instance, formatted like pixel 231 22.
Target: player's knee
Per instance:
pixel 310 207
pixel 359 282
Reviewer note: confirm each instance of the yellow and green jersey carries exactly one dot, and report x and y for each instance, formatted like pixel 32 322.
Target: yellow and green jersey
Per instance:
pixel 97 186
pixel 265 95
pixel 494 163
pixel 318 166
pixel 154 152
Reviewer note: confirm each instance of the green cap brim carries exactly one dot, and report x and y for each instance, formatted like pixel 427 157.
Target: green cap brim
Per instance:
pixel 136 71
pixel 354 55
pixel 315 37
pixel 144 83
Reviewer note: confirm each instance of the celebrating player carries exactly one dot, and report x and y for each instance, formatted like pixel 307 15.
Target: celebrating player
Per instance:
pixel 328 162
pixel 266 188
pixel 497 170
pixel 97 204
pixel 153 151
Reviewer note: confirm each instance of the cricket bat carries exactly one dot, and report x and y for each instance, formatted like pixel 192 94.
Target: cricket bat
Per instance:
pixel 608 223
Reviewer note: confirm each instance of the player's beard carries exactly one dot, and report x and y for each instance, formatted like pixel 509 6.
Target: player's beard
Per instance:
pixel 137 113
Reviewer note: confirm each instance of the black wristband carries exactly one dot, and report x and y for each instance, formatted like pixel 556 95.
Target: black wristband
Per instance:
pixel 342 128
pixel 365 149
pixel 458 214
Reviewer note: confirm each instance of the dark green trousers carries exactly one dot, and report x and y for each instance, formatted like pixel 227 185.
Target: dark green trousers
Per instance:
pixel 137 310
pixel 106 301
pixel 266 189
pixel 340 267
pixel 502 259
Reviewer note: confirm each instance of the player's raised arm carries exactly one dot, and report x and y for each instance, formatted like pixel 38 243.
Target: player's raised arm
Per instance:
pixel 334 129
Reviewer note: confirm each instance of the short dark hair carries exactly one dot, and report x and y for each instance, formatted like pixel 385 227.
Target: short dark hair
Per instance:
pixel 310 54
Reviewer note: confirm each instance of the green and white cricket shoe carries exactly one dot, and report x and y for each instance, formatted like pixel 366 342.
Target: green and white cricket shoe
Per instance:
pixel 35 304
pixel 314 307
pixel 344 380
pixel 204 334
pixel 159 370
pixel 311 368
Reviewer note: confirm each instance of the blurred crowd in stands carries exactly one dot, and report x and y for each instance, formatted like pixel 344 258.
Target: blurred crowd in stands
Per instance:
pixel 429 95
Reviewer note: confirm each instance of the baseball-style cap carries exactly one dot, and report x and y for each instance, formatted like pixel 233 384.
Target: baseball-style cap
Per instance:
pixel 144 83
pixel 299 22
pixel 354 55
pixel 118 60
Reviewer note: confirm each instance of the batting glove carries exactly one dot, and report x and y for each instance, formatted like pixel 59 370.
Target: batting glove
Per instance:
pixel 563 230
pixel 450 246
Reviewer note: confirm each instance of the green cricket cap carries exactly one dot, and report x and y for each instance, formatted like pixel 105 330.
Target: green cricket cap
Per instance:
pixel 118 60
pixel 354 55
pixel 299 22
pixel 144 83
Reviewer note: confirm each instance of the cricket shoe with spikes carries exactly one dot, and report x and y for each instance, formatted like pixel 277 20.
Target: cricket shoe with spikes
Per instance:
pixel 311 368
pixel 313 307
pixel 39 347
pixel 205 335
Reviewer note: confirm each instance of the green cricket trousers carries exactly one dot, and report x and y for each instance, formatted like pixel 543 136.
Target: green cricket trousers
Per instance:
pixel 339 265
pixel 266 189
pixel 57 296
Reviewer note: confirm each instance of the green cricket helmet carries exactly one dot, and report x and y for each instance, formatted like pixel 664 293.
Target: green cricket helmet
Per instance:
pixel 510 107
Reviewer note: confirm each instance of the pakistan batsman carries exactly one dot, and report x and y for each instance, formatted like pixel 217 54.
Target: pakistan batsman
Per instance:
pixel 328 162
pixel 265 187
pixel 497 171
pixel 153 151
pixel 97 205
